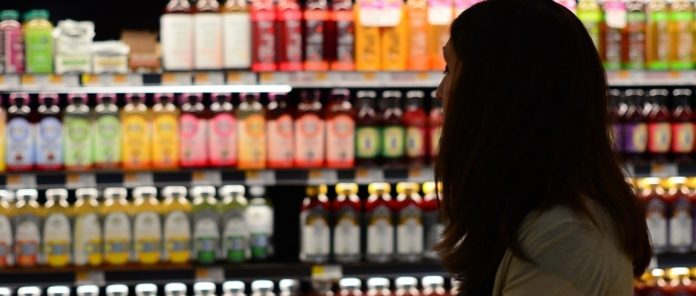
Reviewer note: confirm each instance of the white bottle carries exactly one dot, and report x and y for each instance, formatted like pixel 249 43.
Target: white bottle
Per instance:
pixel 146 290
pixel 207 35
pixel 88 290
pixel 236 35
pixel 175 289
pixel 117 290
pixel 58 291
pixel 29 291
pixel 204 289
pixel 262 288
pixel 176 36
pixel 233 288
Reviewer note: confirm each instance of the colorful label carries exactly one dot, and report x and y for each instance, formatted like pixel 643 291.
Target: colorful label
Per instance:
pixel 393 145
pixel 208 40
pixel 591 20
pixel 176 35
pixel 612 49
pixel 315 235
pixel 27 240
pixel 20 143
pixel 237 40
pixel 346 239
pixel 340 141
pixel 656 218
pixel 39 50
pixel 682 137
pixel 194 137
pixel 635 137
pixel 252 142
pixel 177 237
pixel 206 237
pixel 418 39
pixel 222 140
pixel 280 142
pixel 49 142
pixel 107 140
pixel 12 49
pixel 659 137
pixel 136 141
pixel 117 238
pixel 380 232
pixel 409 232
pixel 680 225
pixel 264 48
pixel 658 24
pixel 147 237
pixel 291 32
pixel 235 236
pixel 56 234
pixel 78 142
pixel 259 219
pixel 165 141
pixel 636 41
pixel 682 32
pixel 415 141
pixel 6 238
pixel 345 41
pixel 368 142
pixel 87 240
pixel 309 141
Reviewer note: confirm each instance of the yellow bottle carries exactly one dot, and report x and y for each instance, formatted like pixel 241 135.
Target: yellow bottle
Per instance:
pixel 147 228
pixel 417 18
pixel 165 132
pixel 367 35
pixel 27 224
pixel 6 215
pixel 56 231
pixel 177 227
pixel 116 211
pixel 440 14
pixel 87 241
pixel 136 133
pixel 657 35
pixel 681 41
pixel 394 44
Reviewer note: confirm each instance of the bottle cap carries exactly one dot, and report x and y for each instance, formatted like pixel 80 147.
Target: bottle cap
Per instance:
pixel 233 287
pixel 101 98
pixel 174 191
pixel 48 97
pixel 316 190
pixel 58 291
pixel 262 286
pixel 117 290
pixel 9 15
pixel 146 290
pixel 433 280
pixel 41 14
pixel 658 92
pixel 88 290
pixel 168 97
pixel 677 272
pixel 288 285
pixel 135 98
pixel 391 94
pixel 4 291
pixel 429 187
pixel 415 94
pixel 221 97
pixel 29 291
pixel 190 98
pixel 340 92
pixel 6 196
pixel 145 191
pixel 257 191
pixel 27 194
pixel 86 193
pixel 19 98
pixel 175 289
pixel 406 187
pixel 204 288
pixel 311 94
pixel 346 188
pixel 203 191
pixel 232 190
pixel 349 283
pixel 115 192
pixel 378 283
pixel 406 282
pixel 56 193
pixel 375 187
pixel 249 96
pixel 673 181
pixel 681 92
pixel 74 98
pixel 368 94
pixel 277 96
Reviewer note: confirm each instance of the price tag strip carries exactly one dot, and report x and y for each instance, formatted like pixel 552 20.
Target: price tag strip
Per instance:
pixel 274 78
pixel 421 174
pixel 207 177
pixel 242 78
pixel 20 181
pixel 322 176
pixel 327 272
pixel 80 180
pixel 177 78
pixel 664 170
pixel 260 177
pixel 90 277
pixel 210 274
pixel 135 179
pixel 8 81
pixel 209 78
pixel 368 175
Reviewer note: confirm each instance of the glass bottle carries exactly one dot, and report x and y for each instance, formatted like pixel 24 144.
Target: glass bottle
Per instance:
pixel 680 221
pixel 681 41
pixel 289 35
pixel 347 211
pixel 393 132
pixel 20 140
pixel 27 221
pixel 87 247
pixel 177 227
pixel 49 133
pixel 38 42
pixel 432 221
pixel 659 128
pixel 633 50
pixel 682 125
pixel 194 131
pixel 435 120
pixel 314 226
pixel 136 133
pixel 78 123
pixel 176 34
pixel 379 212
pixel 367 131
pixel 252 133
pixel 259 219
pixel 147 227
pixel 657 35
pixel 57 233
pixel 409 226
pixel 635 137
pixel 590 13
pixel 222 132
pixel 340 130
pixel 341 40
pixel 316 17
pixel 107 132
pixel 263 35
pixel 280 132
pixel 652 193
pixel 416 122
pixel 165 132
pixel 611 33
pixel 310 131
pixel 235 233
pixel 236 35
pixel 207 35
pixel 206 236
pixel 12 57
pixel 116 211
pixel 6 236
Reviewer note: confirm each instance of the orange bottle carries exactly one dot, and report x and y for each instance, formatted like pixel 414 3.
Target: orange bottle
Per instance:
pixel 367 35
pixel 417 18
pixel 440 14
pixel 394 35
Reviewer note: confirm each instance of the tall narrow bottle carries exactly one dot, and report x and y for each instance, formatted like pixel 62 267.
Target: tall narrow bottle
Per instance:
pixel 107 132
pixel 409 225
pixel 3 138
pixel 252 133
pixel 611 33
pixel 417 18
pixel 235 233
pixel 263 18
pixel 347 211
pixel 236 35
pixel 194 131
pixel 49 133
pixel 314 226
pixel 342 40
pixel 87 238
pixel 657 35
pixel 368 141
pixel 394 35
pixel 393 132
pixel 340 130
pixel 78 133
pixel 289 35
pixel 27 221
pixel 440 15
pixel 310 131
pixel 682 125
pixel 222 132
pixel 165 132
pixel 380 229
pixel 415 121
pixel 12 57
pixel 681 40
pixel 368 41
pixel 635 130
pixel 435 120
pixel 176 34
pixel 633 52
pixel 176 227
pixel 116 212
pixel 259 219
pixel 590 13
pixel 136 133
pixel 680 220
pixel 206 234
pixel 316 17
pixel 57 233
pixel 207 35
pixel 20 137
pixel 659 128
pixel 279 132
pixel 38 42
pixel 432 221
pixel 147 227
pixel 6 234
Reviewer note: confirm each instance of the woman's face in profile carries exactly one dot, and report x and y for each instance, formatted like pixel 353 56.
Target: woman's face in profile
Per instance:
pixel 444 89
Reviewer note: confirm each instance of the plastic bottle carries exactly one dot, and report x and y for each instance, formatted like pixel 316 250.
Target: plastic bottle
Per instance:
pixel 433 285
pixel 6 235
pixel 289 287
pixel 415 121
pixel 252 133
pixel 432 222
pixel 259 219
pixel 116 212
pixel 341 40
pixel 165 132
pixel 393 132
pixel 147 227
pixel 263 35
pixel 87 247
pixel 635 137
pixel 289 35
pixel 175 289
pixel 368 41
pixel 78 123
pixel 222 132
pixel 236 32
pixel 11 43
pixel 611 33
pixel 682 125
pixel 314 226
pixel 378 287
pixel 38 42
pixel 417 18
pixel 207 35
pixel 380 229
pixel 440 15
pixel 368 141
pixel 107 132
pixel 262 288
pixel 407 286
pixel 681 41
pixel 206 234
pixel 347 211
pixel 340 130
pixel 20 139
pixel 634 36
pixel 280 132
pixel 310 131
pixel 235 233
pixel 435 120
pixel 394 35
pixel 176 31
pixel 659 128
pixel 117 290
pixel 194 131
pixel 680 220
pixel 3 136
pixel 29 291
pixel 233 288
pixel 87 290
pixel 57 232
pixel 146 290
pixel 350 287
pixel 656 216
pixel 27 221
pixel 204 289
pixel 49 133
pixel 590 13
pixel 657 35
pixel 176 227
pixel 316 17
pixel 409 225
pixel 136 133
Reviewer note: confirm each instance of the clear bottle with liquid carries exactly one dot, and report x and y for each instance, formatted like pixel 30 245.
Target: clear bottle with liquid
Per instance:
pixel 176 34
pixel 279 132
pixel 259 218
pixel 379 213
pixel 235 233
pixel 147 227
pixel 57 232
pixel 27 221
pixel 165 132
pixel 393 132
pixel 316 17
pixel 7 213
pixel 236 34
pixel 77 127
pixel 87 246
pixel 314 226
pixel 340 130
pixel 432 221
pixel 136 133
pixel 49 133
pixel 207 36
pixel 107 132
pixel 206 218
pixel 20 139
pixel 409 225
pixel 681 39
pixel 176 227
pixel 252 132
pixel 116 213
pixel 175 289
pixel 233 288
pixel 347 211
pixel 310 131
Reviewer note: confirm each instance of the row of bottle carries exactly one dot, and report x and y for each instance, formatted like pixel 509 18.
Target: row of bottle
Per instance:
pixel 145 229
pixel 673 281
pixel 404 228
pixel 193 135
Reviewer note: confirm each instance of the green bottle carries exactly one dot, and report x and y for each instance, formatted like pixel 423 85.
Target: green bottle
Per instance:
pixel 38 42
pixel 77 133
pixel 235 233
pixel 206 236
pixel 590 14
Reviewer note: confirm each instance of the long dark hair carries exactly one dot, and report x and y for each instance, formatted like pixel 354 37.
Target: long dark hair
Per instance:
pixel 526 129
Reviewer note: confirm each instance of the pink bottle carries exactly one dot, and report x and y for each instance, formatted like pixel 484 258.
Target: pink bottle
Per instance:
pixel 11 43
pixel 193 128
pixel 222 132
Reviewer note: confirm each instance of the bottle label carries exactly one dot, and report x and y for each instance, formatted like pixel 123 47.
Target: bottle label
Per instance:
pixel 680 225
pixel 235 235
pixel 6 239
pixel 27 240
pixel 393 145
pixel 237 40
pixel 410 231
pixel 418 39
pixel 117 237
pixel 206 238
pixel 345 47
pixel 340 140
pixel 194 135
pixel 57 239
pixel 13 59
pixel 20 142
pixel 657 223
pixel 636 41
pixel 661 42
pixel 681 22
pixel 176 34
pixel 259 219
pixel 314 39
pixel 660 137
pixel 612 49
pixel 222 140
pixel 280 142
pixel 682 137
pixel 347 234
pixel 49 142
pixel 292 47
pixel 309 141
pixel 136 141
pixel 367 142
pixel 87 239
pixel 415 141
pixel 435 133
pixel 165 140
pixel 147 236
pixel 208 37
pixel 107 140
pixel 177 236
pixel 252 142
pixel 380 232
pixel 635 137
pixel 39 50
pixel 78 142
pixel 315 235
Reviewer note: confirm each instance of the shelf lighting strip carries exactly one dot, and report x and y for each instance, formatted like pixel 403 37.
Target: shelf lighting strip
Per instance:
pixel 154 89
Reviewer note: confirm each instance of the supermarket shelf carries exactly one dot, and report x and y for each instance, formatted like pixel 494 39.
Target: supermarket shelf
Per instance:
pixel 676 260
pixel 660 170
pixel 154 89
pixel 651 78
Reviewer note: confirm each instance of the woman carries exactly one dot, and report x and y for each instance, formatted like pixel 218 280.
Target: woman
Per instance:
pixel 534 200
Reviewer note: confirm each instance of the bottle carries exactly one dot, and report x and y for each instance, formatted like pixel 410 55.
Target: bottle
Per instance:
pixel 280 132
pixel 409 225
pixel 107 132
pixel 407 286
pixel 252 133
pixel 680 221
pixel 259 219
pixel 635 137
pixel 682 126
pixel 87 247
pixel 204 289
pixel 368 142
pixel 177 229
pixel 659 128
pixel 314 226
pixel 590 13
pixel 340 130
pixel 616 110
pixel 368 41
pixel 393 132
pixel 433 285
pixel 206 236
pixel 49 133
pixel 680 282
pixel 29 291
pixel 432 222
pixel 176 34
pixel 656 217
pixel 233 288
pixel 146 290
pixel 263 18
pixel 350 287
pixel 236 32
pixel 415 121
pixel 378 287
pixel 657 35
pixel 175 289
pixel 58 291
pixel 633 52
pixel 12 47
pixel 6 235
pixel 341 40
pixel 57 233
pixel 611 33
pixel 136 133
pixel 38 42
pixel 3 140
pixel 394 35
pixel 207 35
pixel 380 229
pixel 117 290
pixel 262 288
pixel 322 287
pixel 289 35
pixel 165 132
pixel 147 228
pixel 77 131
pixel 116 212
pixel 194 131
pixel 235 233
pixel 347 211
pixel 289 287
pixel 222 132
pixel 417 18
pixel 440 15
pixel 310 131
pixel 20 138
pixel 681 41
pixel 435 120
pixel 316 18
pixel 87 290
pixel 27 221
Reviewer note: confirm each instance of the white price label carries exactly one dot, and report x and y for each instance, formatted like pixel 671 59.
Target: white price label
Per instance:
pixel 327 272
pixel 260 177
pixel 80 180
pixel 90 277
pixel 213 274
pixel 21 181
pixel 209 78
pixel 135 179
pixel 208 177
pixel 176 78
pixel 368 175
pixel 322 176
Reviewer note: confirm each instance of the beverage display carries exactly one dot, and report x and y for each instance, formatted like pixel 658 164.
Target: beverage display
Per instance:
pixel 206 234
pixel 57 232
pixel 314 226
pixel 347 210
pixel 77 130
pixel 49 133
pixel 165 132
pixel 380 228
pixel 310 132
pixel 235 232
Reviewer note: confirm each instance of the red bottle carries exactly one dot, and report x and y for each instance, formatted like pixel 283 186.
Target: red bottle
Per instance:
pixel 435 120
pixel 682 125
pixel 340 40
pixel 309 131
pixel 316 17
pixel 635 134
pixel 659 128
pixel 415 122
pixel 222 132
pixel 263 18
pixel 340 131
pixel 20 141
pixel 279 125
pixel 367 134
pixel 193 125
pixel 49 133
pixel 289 38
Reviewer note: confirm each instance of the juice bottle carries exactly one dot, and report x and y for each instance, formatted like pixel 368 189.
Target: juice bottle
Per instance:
pixel 29 291
pixel 233 288
pixel 289 287
pixel 341 41
pixel 394 35
pixel 49 133
pixel 432 222
pixel 165 132
pixel 236 31
pixel 77 130
pixel 58 291
pixel 107 132
pixel 659 128
pixel 87 290
pixel 435 119
pixel 680 220
pixel 316 17
pixel 136 133
pixel 635 137
pixel 368 142
pixel 616 110
pixel 3 134
pixel 116 212
pixel 416 123
pixel 145 290
pixel 6 235
pixel 176 229
pixel 204 289
pixel 176 34
pixel 87 246
pixel 350 287
pixel 681 42
pixel 682 126
pixel 262 288
pixel 289 35
pixel 417 18
pixel 194 131
pixel 347 211
pixel 38 42
pixel 310 131
pixel 56 228
pixel 252 133
pixel 380 228
pixel 12 46
pixel 407 286
pixel 207 35
pixel 378 286
pixel 440 14
pixel 368 41
pixel 27 221
pixel 147 227
pixel 206 236
pixel 656 217
pixel 612 27
pixel 409 222
pixel 117 290
pixel 222 132
pixel 340 130
pixel 175 289
pixel 259 219
pixel 393 131
pixel 433 285
pixel 235 233
pixel 314 226
pixel 263 18
pixel 657 35
pixel 20 137
pixel 280 132
pixel 633 52
pixel 590 13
